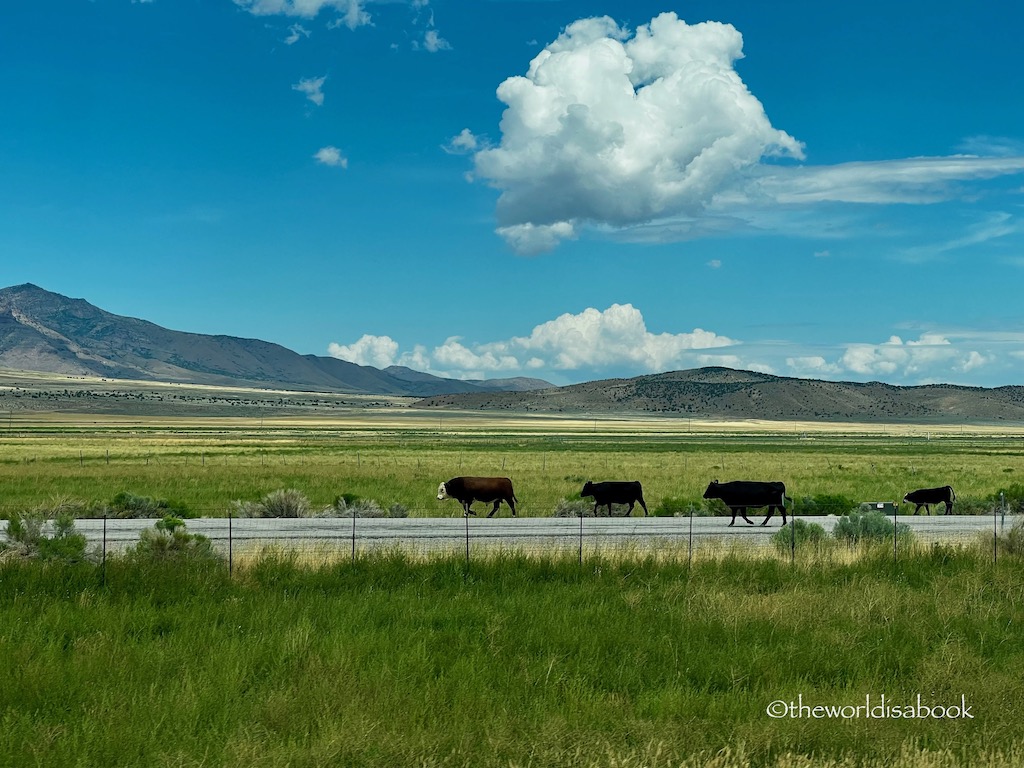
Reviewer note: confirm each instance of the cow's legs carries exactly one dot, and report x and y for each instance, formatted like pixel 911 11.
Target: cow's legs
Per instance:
pixel 467 507
pixel 644 506
pixel 630 510
pixel 497 503
pixel 742 512
pixel 512 506
pixel 949 508
pixel 771 511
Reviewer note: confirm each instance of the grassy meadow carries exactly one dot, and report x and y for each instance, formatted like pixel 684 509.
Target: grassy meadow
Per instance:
pixel 513 661
pixel 206 463
pixel 628 660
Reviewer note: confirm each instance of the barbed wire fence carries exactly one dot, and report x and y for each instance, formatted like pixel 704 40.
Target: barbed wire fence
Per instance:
pixel 324 540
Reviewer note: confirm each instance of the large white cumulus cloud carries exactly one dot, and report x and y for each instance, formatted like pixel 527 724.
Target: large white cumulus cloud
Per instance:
pixel 618 129
pixel 593 339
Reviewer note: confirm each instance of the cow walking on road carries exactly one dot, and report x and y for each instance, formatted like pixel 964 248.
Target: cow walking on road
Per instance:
pixel 925 497
pixel 740 495
pixel 615 492
pixel 485 489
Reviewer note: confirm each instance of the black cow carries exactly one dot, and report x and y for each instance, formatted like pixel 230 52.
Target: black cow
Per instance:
pixel 485 489
pixel 615 492
pixel 925 497
pixel 739 495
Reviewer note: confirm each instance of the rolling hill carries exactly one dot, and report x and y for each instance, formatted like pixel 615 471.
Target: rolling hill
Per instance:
pixel 50 333
pixel 724 393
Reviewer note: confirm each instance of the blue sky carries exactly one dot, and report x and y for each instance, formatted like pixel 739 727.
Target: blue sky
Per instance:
pixel 569 190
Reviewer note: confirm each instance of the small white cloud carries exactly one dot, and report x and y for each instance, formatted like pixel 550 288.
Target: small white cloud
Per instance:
pixel 313 88
pixel 909 359
pixel 812 365
pixel 295 33
pixel 331 156
pixel 715 263
pixel 613 337
pixel 530 239
pixel 378 351
pixel 465 143
pixel 822 254
pixel 350 12
pixel 433 42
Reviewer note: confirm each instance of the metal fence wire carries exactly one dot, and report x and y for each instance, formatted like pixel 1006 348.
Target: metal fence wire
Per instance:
pixel 331 539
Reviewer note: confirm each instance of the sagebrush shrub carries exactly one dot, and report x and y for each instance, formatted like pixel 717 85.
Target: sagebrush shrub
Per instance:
pixel 27 537
pixel 280 503
pixel 169 540
pixel 870 526
pixel 805 534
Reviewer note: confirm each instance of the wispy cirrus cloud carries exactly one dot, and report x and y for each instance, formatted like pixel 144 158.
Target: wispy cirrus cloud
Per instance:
pixel 350 13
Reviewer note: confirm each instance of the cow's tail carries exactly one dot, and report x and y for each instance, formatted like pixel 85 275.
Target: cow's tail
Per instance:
pixel 952 493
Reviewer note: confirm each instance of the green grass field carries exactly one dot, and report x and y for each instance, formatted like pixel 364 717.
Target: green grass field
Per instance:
pixel 513 661
pixel 629 660
pixel 204 464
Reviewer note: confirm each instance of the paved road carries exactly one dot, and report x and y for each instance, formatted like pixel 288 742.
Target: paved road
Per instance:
pixel 431 533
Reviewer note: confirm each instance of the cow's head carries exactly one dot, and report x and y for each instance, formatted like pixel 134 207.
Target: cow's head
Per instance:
pixel 442 492
pixel 712 490
pixel 588 489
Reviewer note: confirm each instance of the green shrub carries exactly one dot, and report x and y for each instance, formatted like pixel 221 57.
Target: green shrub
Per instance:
pixel 806 534
pixel 350 505
pixel 280 503
pixel 1012 496
pixel 129 505
pixel 1009 543
pixel 169 540
pixel 27 537
pixel 868 526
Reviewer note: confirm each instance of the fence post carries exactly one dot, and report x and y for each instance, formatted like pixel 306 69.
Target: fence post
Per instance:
pixel 581 537
pixel 104 575
pixel 231 559
pixel 995 535
pixel 465 516
pixel 792 537
pixel 689 548
pixel 894 534
pixel 353 534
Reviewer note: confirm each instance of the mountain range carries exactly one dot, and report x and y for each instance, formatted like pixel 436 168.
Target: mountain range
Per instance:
pixel 47 332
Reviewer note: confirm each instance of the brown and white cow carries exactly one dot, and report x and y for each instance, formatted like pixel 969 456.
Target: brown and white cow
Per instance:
pixel 486 489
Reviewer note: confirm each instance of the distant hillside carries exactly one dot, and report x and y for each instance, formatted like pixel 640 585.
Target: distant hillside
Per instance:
pixel 728 394
pixel 50 333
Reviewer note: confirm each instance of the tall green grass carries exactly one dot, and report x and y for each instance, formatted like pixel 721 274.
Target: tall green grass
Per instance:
pixel 206 472
pixel 511 660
